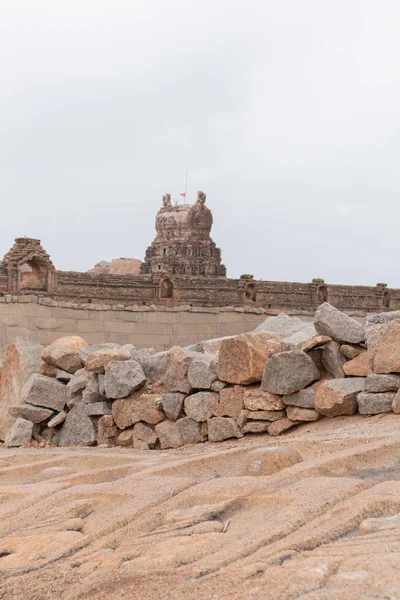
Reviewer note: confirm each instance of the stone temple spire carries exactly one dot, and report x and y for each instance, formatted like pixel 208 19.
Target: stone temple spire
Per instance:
pixel 183 245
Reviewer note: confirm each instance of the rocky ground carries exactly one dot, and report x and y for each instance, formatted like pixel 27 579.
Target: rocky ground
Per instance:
pixel 314 514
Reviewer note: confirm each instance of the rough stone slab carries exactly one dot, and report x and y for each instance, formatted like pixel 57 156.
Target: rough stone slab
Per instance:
pixel 288 372
pixel 201 406
pixel 63 353
pixel 279 427
pixel 125 438
pixel 230 402
pixel 97 361
pixel 98 409
pixel 282 325
pixel 172 404
pixel 122 410
pixel 190 431
pixel 122 378
pixel 316 341
pixel 338 396
pixel 20 433
pixel 87 351
pixel 382 383
pixel 106 431
pixel 57 420
pixel 337 325
pixel 242 359
pixel 91 393
pixel 154 366
pixel 255 427
pixel 78 429
pixel 177 367
pixel 375 404
pixel 44 391
pixel 222 428
pixel 202 372
pixel 333 360
pixel 146 409
pixel 295 413
pixel 78 382
pixel 302 398
pixel 351 352
pixel 169 435
pixel 35 414
pixel 265 415
pixel 255 398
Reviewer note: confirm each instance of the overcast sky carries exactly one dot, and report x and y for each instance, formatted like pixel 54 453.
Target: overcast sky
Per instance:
pixel 285 112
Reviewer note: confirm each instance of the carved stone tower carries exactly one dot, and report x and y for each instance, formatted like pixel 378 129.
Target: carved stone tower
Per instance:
pixel 183 245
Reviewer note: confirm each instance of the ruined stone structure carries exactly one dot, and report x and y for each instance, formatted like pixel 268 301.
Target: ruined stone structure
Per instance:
pixel 182 267
pixel 183 245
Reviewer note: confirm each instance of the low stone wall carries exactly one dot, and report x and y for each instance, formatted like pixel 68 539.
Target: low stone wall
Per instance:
pixel 43 320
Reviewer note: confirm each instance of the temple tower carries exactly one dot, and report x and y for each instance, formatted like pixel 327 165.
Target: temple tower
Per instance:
pixel 183 245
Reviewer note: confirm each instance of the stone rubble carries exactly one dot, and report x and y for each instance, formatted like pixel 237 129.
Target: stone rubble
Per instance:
pixel 266 382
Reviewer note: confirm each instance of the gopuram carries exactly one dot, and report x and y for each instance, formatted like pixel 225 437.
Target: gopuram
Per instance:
pixel 182 267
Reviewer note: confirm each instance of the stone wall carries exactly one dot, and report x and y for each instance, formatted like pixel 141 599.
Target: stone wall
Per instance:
pixel 44 320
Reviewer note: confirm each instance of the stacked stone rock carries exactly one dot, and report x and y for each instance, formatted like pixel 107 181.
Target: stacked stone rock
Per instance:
pixel 285 373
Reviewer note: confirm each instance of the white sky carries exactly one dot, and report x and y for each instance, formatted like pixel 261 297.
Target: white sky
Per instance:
pixel 285 112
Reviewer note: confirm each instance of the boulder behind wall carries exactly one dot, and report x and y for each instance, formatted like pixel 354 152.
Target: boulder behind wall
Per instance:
pixel 21 359
pixel 337 325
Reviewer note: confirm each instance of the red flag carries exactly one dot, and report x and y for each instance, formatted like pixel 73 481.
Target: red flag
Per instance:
pixel 184 194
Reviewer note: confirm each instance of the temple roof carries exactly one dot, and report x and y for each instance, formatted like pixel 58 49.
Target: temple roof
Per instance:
pixel 24 250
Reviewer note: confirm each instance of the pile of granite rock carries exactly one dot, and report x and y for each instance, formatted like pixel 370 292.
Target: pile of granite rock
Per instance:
pixel 285 373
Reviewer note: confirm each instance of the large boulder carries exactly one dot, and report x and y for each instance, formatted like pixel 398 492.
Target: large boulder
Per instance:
pixel 19 434
pixel 338 396
pixel 146 409
pixel 202 372
pixel 337 325
pixel 172 404
pixel 78 428
pixel 376 324
pixel 154 365
pixel 97 361
pixel 375 404
pixel 169 435
pixel 44 391
pixel 242 359
pixel 288 372
pixel 122 378
pixel 385 354
pixel 63 353
pixel 87 351
pixel 21 359
pixel 201 406
pixel 190 431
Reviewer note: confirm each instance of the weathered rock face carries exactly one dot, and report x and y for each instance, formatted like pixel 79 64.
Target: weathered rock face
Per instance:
pixel 122 378
pixel 201 406
pixel 169 435
pixel 78 429
pixel 19 434
pixel 106 431
pixel 190 431
pixel 375 325
pixel 374 404
pixel 295 413
pixel 337 325
pixel 87 351
pixel 44 391
pixel 351 352
pixel 202 372
pixel 78 382
pixel 63 353
pixel 385 355
pixel 97 361
pixel 315 341
pixel 281 426
pixel 146 409
pixel 145 433
pixel 382 383
pixel 21 360
pixel 338 396
pixel 283 325
pixel 242 359
pixel 288 372
pixel 359 366
pixel 221 428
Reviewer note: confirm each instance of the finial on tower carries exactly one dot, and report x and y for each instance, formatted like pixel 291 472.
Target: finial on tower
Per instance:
pixel 166 200
pixel 201 197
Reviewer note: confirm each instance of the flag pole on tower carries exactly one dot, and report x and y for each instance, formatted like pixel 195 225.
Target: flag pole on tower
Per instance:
pixel 185 192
